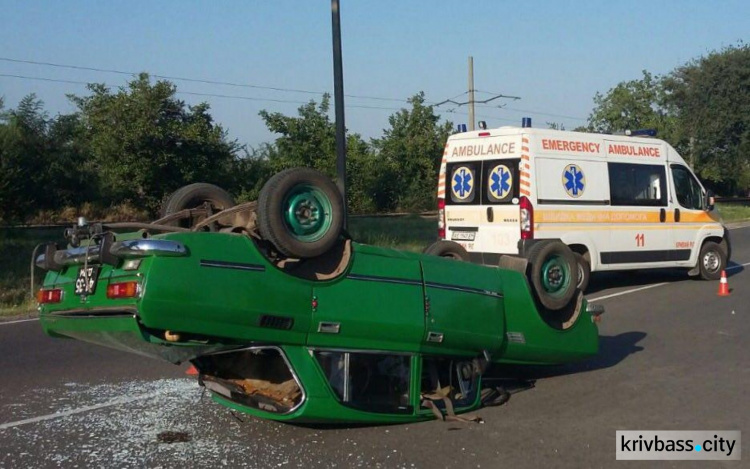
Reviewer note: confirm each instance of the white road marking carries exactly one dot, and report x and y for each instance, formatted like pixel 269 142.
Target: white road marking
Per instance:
pixel 5 323
pixel 735 267
pixel 80 410
pixel 626 292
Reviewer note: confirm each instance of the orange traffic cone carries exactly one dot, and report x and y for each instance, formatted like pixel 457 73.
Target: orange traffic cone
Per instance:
pixel 192 371
pixel 723 284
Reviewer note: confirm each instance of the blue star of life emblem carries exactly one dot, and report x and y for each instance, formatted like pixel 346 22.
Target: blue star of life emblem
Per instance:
pixel 463 182
pixel 573 180
pixel 501 181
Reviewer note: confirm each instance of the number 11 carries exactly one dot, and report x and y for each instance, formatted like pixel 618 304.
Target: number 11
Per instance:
pixel 640 240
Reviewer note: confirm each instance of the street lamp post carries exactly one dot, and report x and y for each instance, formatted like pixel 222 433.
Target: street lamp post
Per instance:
pixel 338 102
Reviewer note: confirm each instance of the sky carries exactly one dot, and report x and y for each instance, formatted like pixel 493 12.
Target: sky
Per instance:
pixel 554 55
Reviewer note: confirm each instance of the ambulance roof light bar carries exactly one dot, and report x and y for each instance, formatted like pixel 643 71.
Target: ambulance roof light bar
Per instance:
pixel 641 133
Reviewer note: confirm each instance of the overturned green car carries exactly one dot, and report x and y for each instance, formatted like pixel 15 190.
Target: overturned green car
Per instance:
pixel 286 318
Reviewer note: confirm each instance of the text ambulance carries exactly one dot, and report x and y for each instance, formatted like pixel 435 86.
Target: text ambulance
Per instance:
pixel 616 202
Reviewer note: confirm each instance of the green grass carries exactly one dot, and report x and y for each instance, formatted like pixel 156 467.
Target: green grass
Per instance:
pixel 16 247
pixel 734 212
pixel 409 233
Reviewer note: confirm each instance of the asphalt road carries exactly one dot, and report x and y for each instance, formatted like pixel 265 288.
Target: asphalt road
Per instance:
pixel 674 356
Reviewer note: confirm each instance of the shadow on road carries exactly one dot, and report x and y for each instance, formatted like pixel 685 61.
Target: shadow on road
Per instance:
pixel 612 351
pixel 734 268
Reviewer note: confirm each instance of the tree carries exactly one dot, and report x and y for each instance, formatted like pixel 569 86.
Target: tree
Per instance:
pixel 309 140
pixel 631 105
pixel 144 143
pixel 710 98
pixel 23 159
pixel 412 149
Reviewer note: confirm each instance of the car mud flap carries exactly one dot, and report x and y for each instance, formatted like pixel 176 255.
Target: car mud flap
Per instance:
pixel 518 264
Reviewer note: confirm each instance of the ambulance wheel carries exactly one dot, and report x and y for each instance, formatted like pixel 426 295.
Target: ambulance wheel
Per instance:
pixel 711 261
pixel 301 212
pixel 552 271
pixel 449 249
pixel 584 271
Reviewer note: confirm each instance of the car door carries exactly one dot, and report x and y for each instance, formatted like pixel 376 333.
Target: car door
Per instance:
pixel 464 310
pixel 377 304
pixel 639 217
pixel 688 215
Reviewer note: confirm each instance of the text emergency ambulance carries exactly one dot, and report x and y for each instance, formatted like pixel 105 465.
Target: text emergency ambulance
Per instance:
pixel 616 202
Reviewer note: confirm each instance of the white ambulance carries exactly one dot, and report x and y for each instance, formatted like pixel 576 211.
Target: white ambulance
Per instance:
pixel 616 202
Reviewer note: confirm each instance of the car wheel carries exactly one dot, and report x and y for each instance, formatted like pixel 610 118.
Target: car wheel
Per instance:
pixel 584 272
pixel 449 249
pixel 552 271
pixel 711 261
pixel 301 212
pixel 195 196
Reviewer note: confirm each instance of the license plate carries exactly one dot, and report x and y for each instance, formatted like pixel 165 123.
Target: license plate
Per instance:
pixel 463 235
pixel 86 281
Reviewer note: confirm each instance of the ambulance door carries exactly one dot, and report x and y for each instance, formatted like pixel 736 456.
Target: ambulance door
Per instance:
pixel 500 213
pixel 687 214
pixel 463 213
pixel 639 218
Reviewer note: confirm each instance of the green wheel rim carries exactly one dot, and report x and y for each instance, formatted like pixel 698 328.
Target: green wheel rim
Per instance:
pixel 307 213
pixel 556 276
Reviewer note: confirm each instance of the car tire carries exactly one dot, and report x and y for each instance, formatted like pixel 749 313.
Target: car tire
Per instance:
pixel 552 268
pixel 584 272
pixel 711 261
pixel 301 212
pixel 449 249
pixel 193 196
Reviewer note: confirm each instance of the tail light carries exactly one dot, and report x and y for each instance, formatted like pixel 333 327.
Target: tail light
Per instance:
pixel 122 290
pixel 49 296
pixel 441 218
pixel 527 219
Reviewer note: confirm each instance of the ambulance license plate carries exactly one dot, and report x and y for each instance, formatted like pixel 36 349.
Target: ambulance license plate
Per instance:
pixel 86 280
pixel 463 235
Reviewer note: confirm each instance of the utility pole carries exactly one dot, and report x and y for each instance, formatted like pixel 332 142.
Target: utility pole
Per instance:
pixel 471 93
pixel 338 102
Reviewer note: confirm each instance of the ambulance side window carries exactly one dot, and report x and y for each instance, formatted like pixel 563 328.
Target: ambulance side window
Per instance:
pixel 501 181
pixel 688 191
pixel 463 183
pixel 637 184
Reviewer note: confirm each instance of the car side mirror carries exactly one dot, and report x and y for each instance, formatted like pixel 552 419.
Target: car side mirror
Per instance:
pixel 710 200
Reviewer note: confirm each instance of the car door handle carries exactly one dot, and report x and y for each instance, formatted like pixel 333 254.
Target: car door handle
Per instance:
pixel 677 214
pixel 662 215
pixel 490 214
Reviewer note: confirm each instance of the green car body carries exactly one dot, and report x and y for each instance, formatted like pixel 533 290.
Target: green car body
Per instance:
pixel 363 344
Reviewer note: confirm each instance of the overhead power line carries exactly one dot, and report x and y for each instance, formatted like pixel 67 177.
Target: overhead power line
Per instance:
pixel 190 93
pixel 193 80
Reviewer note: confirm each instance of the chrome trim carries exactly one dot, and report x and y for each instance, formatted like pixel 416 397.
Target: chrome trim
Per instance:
pixel 288 364
pixel 131 248
pixel 312 350
pixel 516 337
pixel 232 265
pixel 435 337
pixel 595 309
pixel 76 255
pixel 128 249
pixel 329 327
